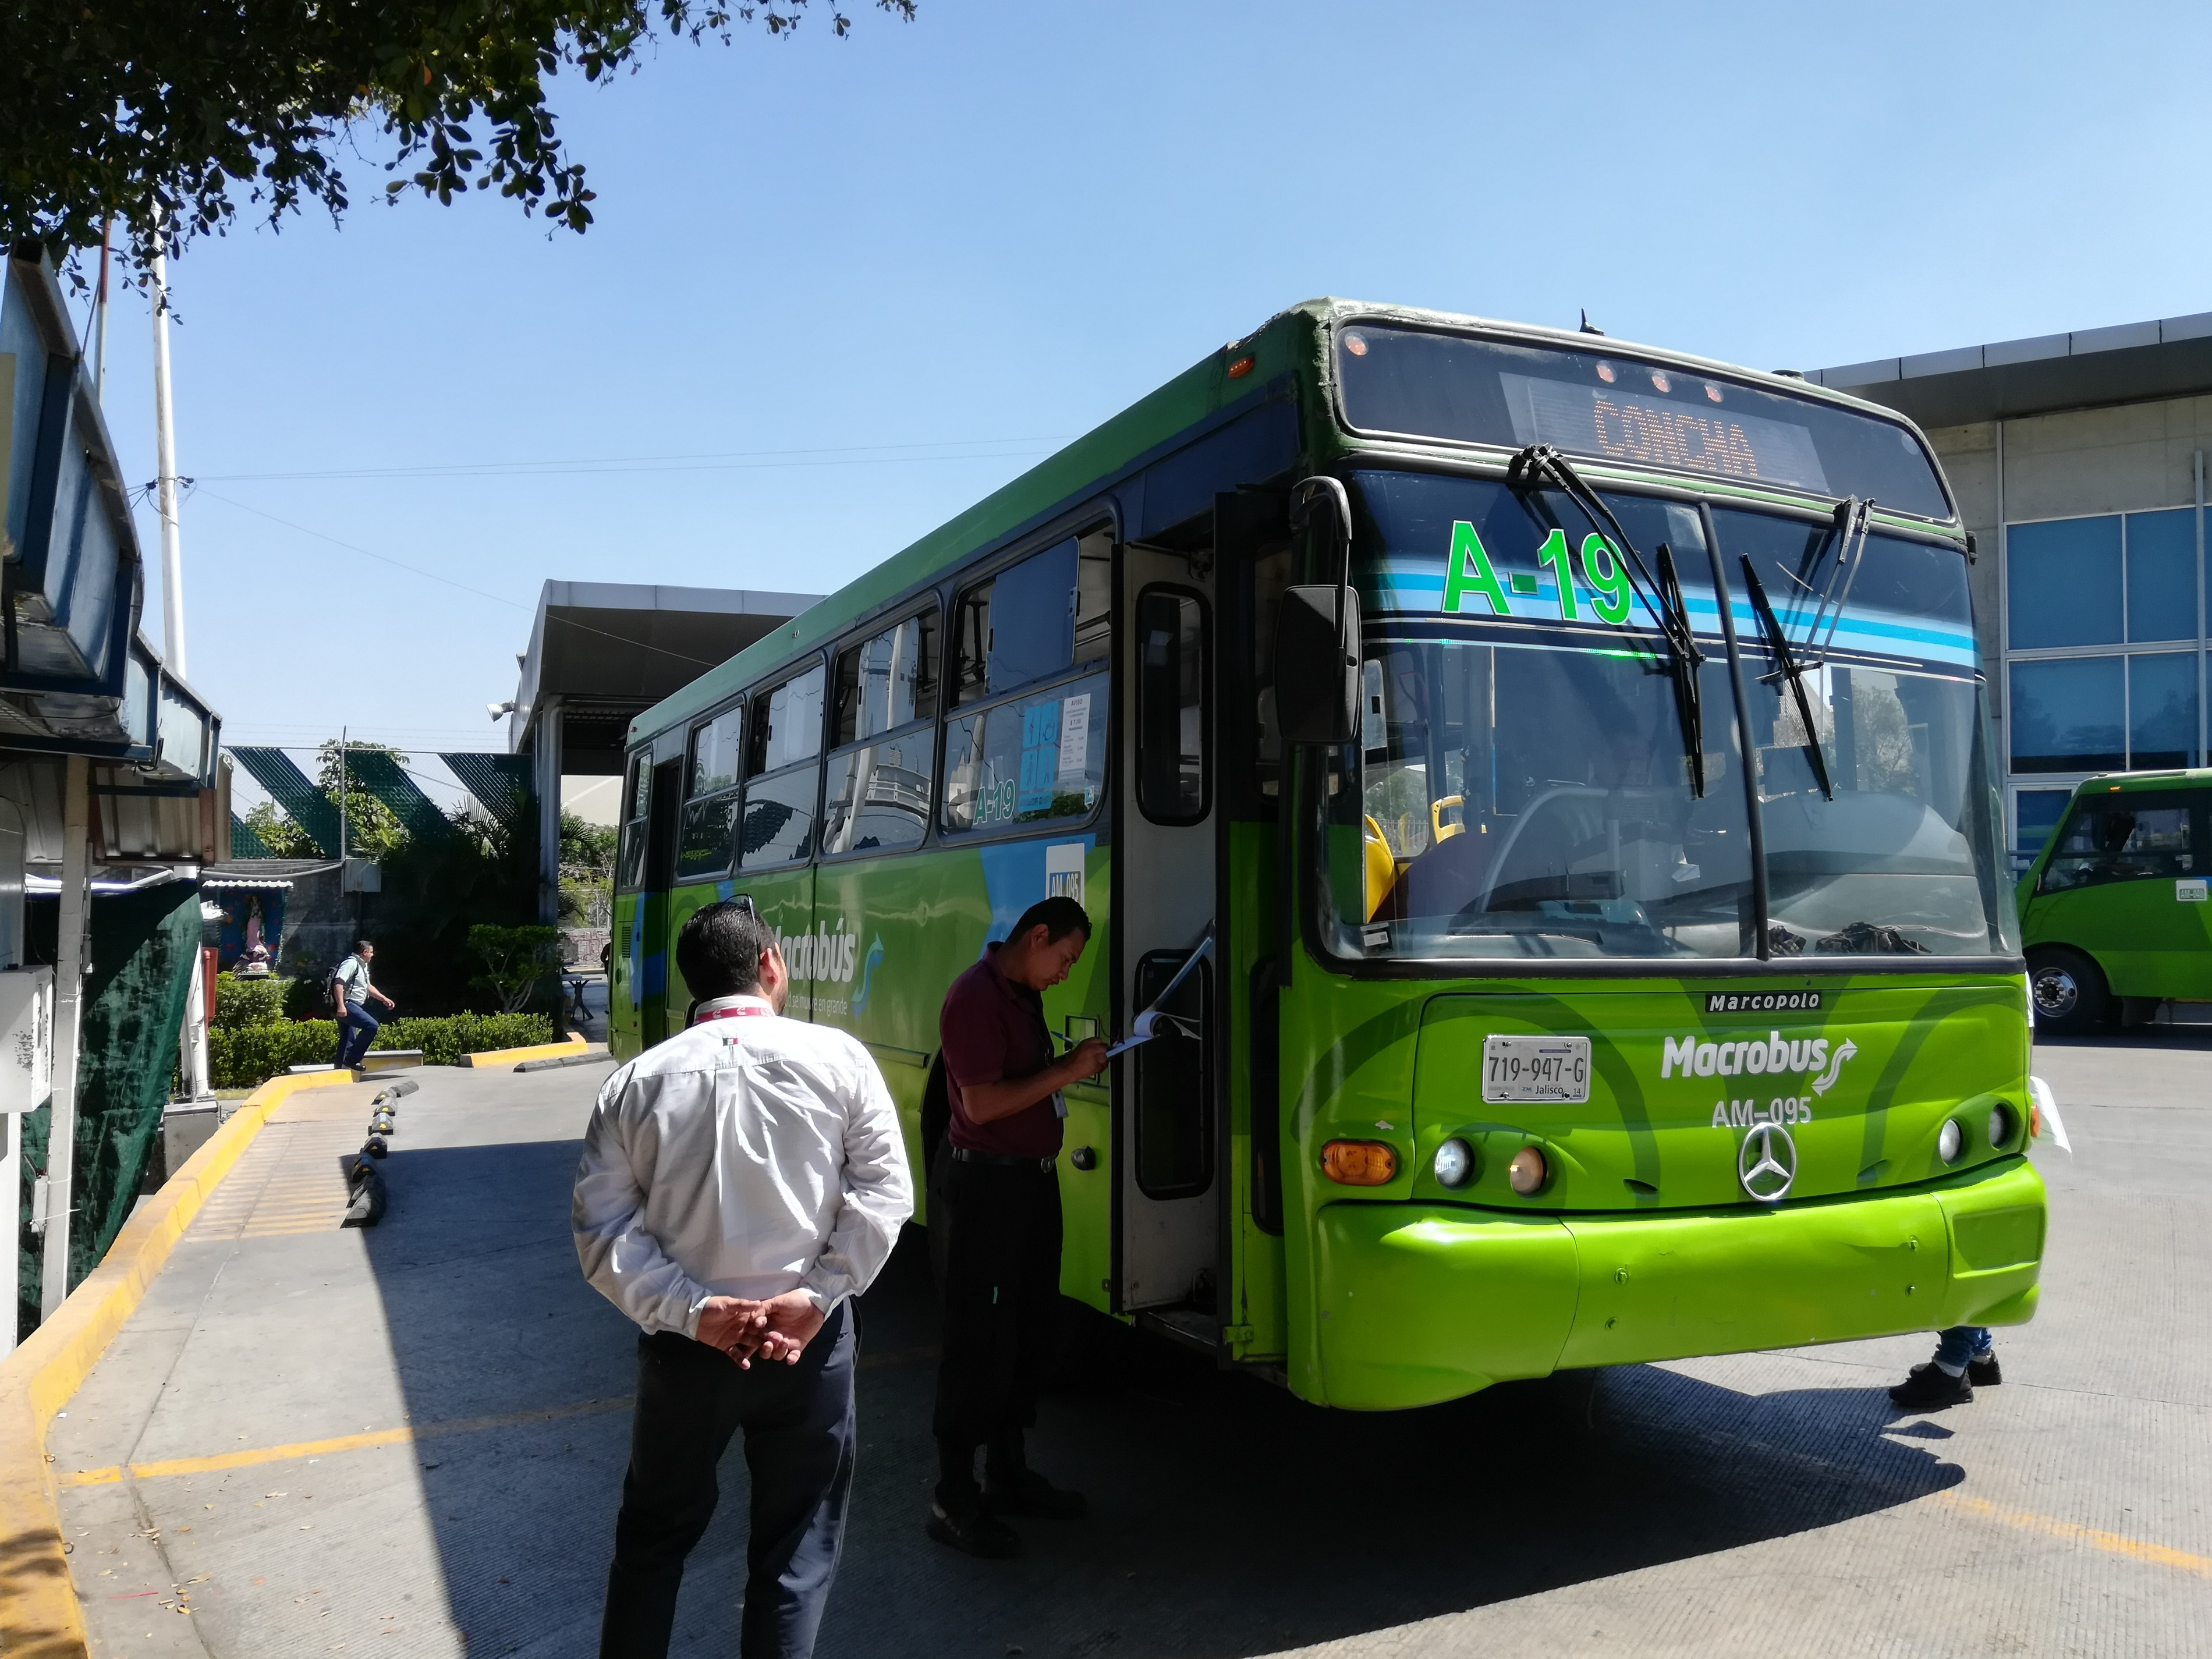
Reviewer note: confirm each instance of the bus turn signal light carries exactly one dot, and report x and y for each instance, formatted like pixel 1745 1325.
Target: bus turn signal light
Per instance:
pixel 1527 1173
pixel 1360 1163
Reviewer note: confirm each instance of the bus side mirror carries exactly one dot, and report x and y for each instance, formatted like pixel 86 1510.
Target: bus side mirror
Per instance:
pixel 1317 664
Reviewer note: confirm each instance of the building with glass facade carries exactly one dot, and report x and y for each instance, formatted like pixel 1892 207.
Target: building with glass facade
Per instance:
pixel 2078 461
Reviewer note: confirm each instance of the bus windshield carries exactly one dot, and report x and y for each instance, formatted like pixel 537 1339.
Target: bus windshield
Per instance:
pixel 1520 785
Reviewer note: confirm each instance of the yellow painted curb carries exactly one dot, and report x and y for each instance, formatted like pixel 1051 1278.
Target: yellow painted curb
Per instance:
pixel 40 1618
pixel 496 1057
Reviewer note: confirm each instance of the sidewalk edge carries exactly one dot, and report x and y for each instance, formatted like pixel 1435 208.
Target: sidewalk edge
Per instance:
pixel 40 1618
pixel 490 1058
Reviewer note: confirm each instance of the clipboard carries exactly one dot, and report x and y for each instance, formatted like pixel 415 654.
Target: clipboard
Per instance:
pixel 1148 1025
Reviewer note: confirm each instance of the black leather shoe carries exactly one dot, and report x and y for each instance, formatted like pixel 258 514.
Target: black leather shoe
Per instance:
pixel 978 1533
pixel 1930 1387
pixel 1033 1495
pixel 1984 1373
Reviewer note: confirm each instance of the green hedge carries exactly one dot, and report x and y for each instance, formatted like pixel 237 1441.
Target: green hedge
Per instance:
pixel 250 1001
pixel 240 1056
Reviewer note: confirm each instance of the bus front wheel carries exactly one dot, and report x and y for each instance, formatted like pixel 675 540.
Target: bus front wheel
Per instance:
pixel 2071 997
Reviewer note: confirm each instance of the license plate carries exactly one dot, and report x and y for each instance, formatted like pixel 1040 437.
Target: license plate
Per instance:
pixel 1536 1068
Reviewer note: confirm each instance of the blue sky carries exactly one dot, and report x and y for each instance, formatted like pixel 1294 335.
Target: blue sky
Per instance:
pixel 869 280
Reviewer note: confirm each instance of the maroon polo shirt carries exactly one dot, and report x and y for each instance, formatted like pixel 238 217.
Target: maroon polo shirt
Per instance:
pixel 993 1031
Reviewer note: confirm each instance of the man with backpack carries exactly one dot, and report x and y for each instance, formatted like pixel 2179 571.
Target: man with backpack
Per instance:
pixel 349 994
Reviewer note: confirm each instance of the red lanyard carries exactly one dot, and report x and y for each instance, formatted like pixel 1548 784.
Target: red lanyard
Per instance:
pixel 731 1013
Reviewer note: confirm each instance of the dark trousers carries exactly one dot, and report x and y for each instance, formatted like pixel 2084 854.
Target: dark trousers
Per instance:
pixel 798 1421
pixel 357 1029
pixel 994 1245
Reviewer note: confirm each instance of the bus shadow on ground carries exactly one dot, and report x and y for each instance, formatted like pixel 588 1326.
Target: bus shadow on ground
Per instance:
pixel 1228 1518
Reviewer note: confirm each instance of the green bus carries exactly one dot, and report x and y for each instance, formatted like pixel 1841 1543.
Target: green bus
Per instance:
pixel 2116 911
pixel 1568 762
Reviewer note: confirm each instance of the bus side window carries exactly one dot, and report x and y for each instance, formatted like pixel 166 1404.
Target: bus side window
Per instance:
pixel 784 770
pixel 877 796
pixel 1172 777
pixel 712 771
pixel 971 643
pixel 637 797
pixel 2132 836
pixel 1036 618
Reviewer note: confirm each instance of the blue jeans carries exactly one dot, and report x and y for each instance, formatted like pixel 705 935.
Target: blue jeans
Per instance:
pixel 356 1030
pixel 1961 1343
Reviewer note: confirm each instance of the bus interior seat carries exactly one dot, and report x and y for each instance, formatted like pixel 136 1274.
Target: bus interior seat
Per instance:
pixel 1381 868
pixel 1440 881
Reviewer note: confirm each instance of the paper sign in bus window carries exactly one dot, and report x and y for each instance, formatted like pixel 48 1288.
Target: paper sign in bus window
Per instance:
pixel 1040 763
pixel 1074 741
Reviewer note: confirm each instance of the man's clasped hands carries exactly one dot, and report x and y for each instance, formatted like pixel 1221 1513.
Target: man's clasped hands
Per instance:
pixel 771 1330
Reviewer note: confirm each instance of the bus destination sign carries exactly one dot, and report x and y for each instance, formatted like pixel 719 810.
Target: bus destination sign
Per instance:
pixel 1629 423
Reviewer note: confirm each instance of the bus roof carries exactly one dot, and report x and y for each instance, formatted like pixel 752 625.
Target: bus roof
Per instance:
pixel 1278 347
pixel 2180 777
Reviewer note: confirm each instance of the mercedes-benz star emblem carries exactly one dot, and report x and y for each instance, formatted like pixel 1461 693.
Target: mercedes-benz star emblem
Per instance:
pixel 1767 1163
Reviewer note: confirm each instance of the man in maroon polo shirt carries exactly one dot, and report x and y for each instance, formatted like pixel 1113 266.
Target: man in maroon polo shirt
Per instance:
pixel 994 1227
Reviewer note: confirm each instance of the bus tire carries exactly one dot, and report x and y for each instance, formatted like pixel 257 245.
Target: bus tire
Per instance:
pixel 2071 996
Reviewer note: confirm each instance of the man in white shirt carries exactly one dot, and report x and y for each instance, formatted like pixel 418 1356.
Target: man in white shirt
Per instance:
pixel 350 989
pixel 741 1183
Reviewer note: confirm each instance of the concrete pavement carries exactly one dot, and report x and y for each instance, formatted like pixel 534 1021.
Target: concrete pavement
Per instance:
pixel 410 1442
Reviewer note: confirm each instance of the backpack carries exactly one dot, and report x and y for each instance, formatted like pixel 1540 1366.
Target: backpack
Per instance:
pixel 936 1115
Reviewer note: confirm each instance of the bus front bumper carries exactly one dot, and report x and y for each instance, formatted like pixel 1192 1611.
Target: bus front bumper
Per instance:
pixel 1420 1303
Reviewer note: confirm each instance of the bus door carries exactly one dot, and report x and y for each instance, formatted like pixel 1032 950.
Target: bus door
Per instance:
pixel 662 822
pixel 1165 1136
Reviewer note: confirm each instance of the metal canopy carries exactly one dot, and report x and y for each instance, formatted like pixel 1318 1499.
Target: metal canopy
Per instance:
pixel 603 652
pixel 76 678
pixel 2134 363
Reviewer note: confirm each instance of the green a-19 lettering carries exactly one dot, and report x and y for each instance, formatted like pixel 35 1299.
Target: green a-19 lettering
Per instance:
pixel 1469 571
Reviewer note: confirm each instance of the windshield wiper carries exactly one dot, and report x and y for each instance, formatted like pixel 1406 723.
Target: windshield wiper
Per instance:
pixel 1853 515
pixel 1662 594
pixel 1791 670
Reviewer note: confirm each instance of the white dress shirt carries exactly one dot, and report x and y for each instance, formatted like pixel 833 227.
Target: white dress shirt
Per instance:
pixel 746 1157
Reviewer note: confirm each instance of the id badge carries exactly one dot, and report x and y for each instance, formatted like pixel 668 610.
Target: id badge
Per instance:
pixel 1059 1104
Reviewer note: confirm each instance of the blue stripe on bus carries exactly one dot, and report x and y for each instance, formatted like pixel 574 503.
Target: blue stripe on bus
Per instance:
pixel 1402 589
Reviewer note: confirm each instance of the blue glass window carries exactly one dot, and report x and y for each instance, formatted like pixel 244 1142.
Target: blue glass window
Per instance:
pixel 2036 811
pixel 2162 709
pixel 2062 583
pixel 2069 715
pixel 2162 574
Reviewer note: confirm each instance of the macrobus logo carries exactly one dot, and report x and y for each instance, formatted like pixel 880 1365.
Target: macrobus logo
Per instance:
pixel 1773 1055
pixel 822 955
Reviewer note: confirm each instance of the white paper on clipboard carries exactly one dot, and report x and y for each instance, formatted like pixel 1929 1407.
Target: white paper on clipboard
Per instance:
pixel 1146 1026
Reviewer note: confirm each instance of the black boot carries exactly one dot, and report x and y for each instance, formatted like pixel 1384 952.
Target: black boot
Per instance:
pixel 974 1531
pixel 1011 1488
pixel 1984 1373
pixel 1930 1387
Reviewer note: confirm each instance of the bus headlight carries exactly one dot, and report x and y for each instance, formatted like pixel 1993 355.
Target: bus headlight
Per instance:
pixel 1949 1140
pixel 1360 1163
pixel 2001 1127
pixel 1455 1164
pixel 1527 1173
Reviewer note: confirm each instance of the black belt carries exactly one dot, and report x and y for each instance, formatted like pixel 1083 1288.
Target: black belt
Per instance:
pixel 1001 1160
